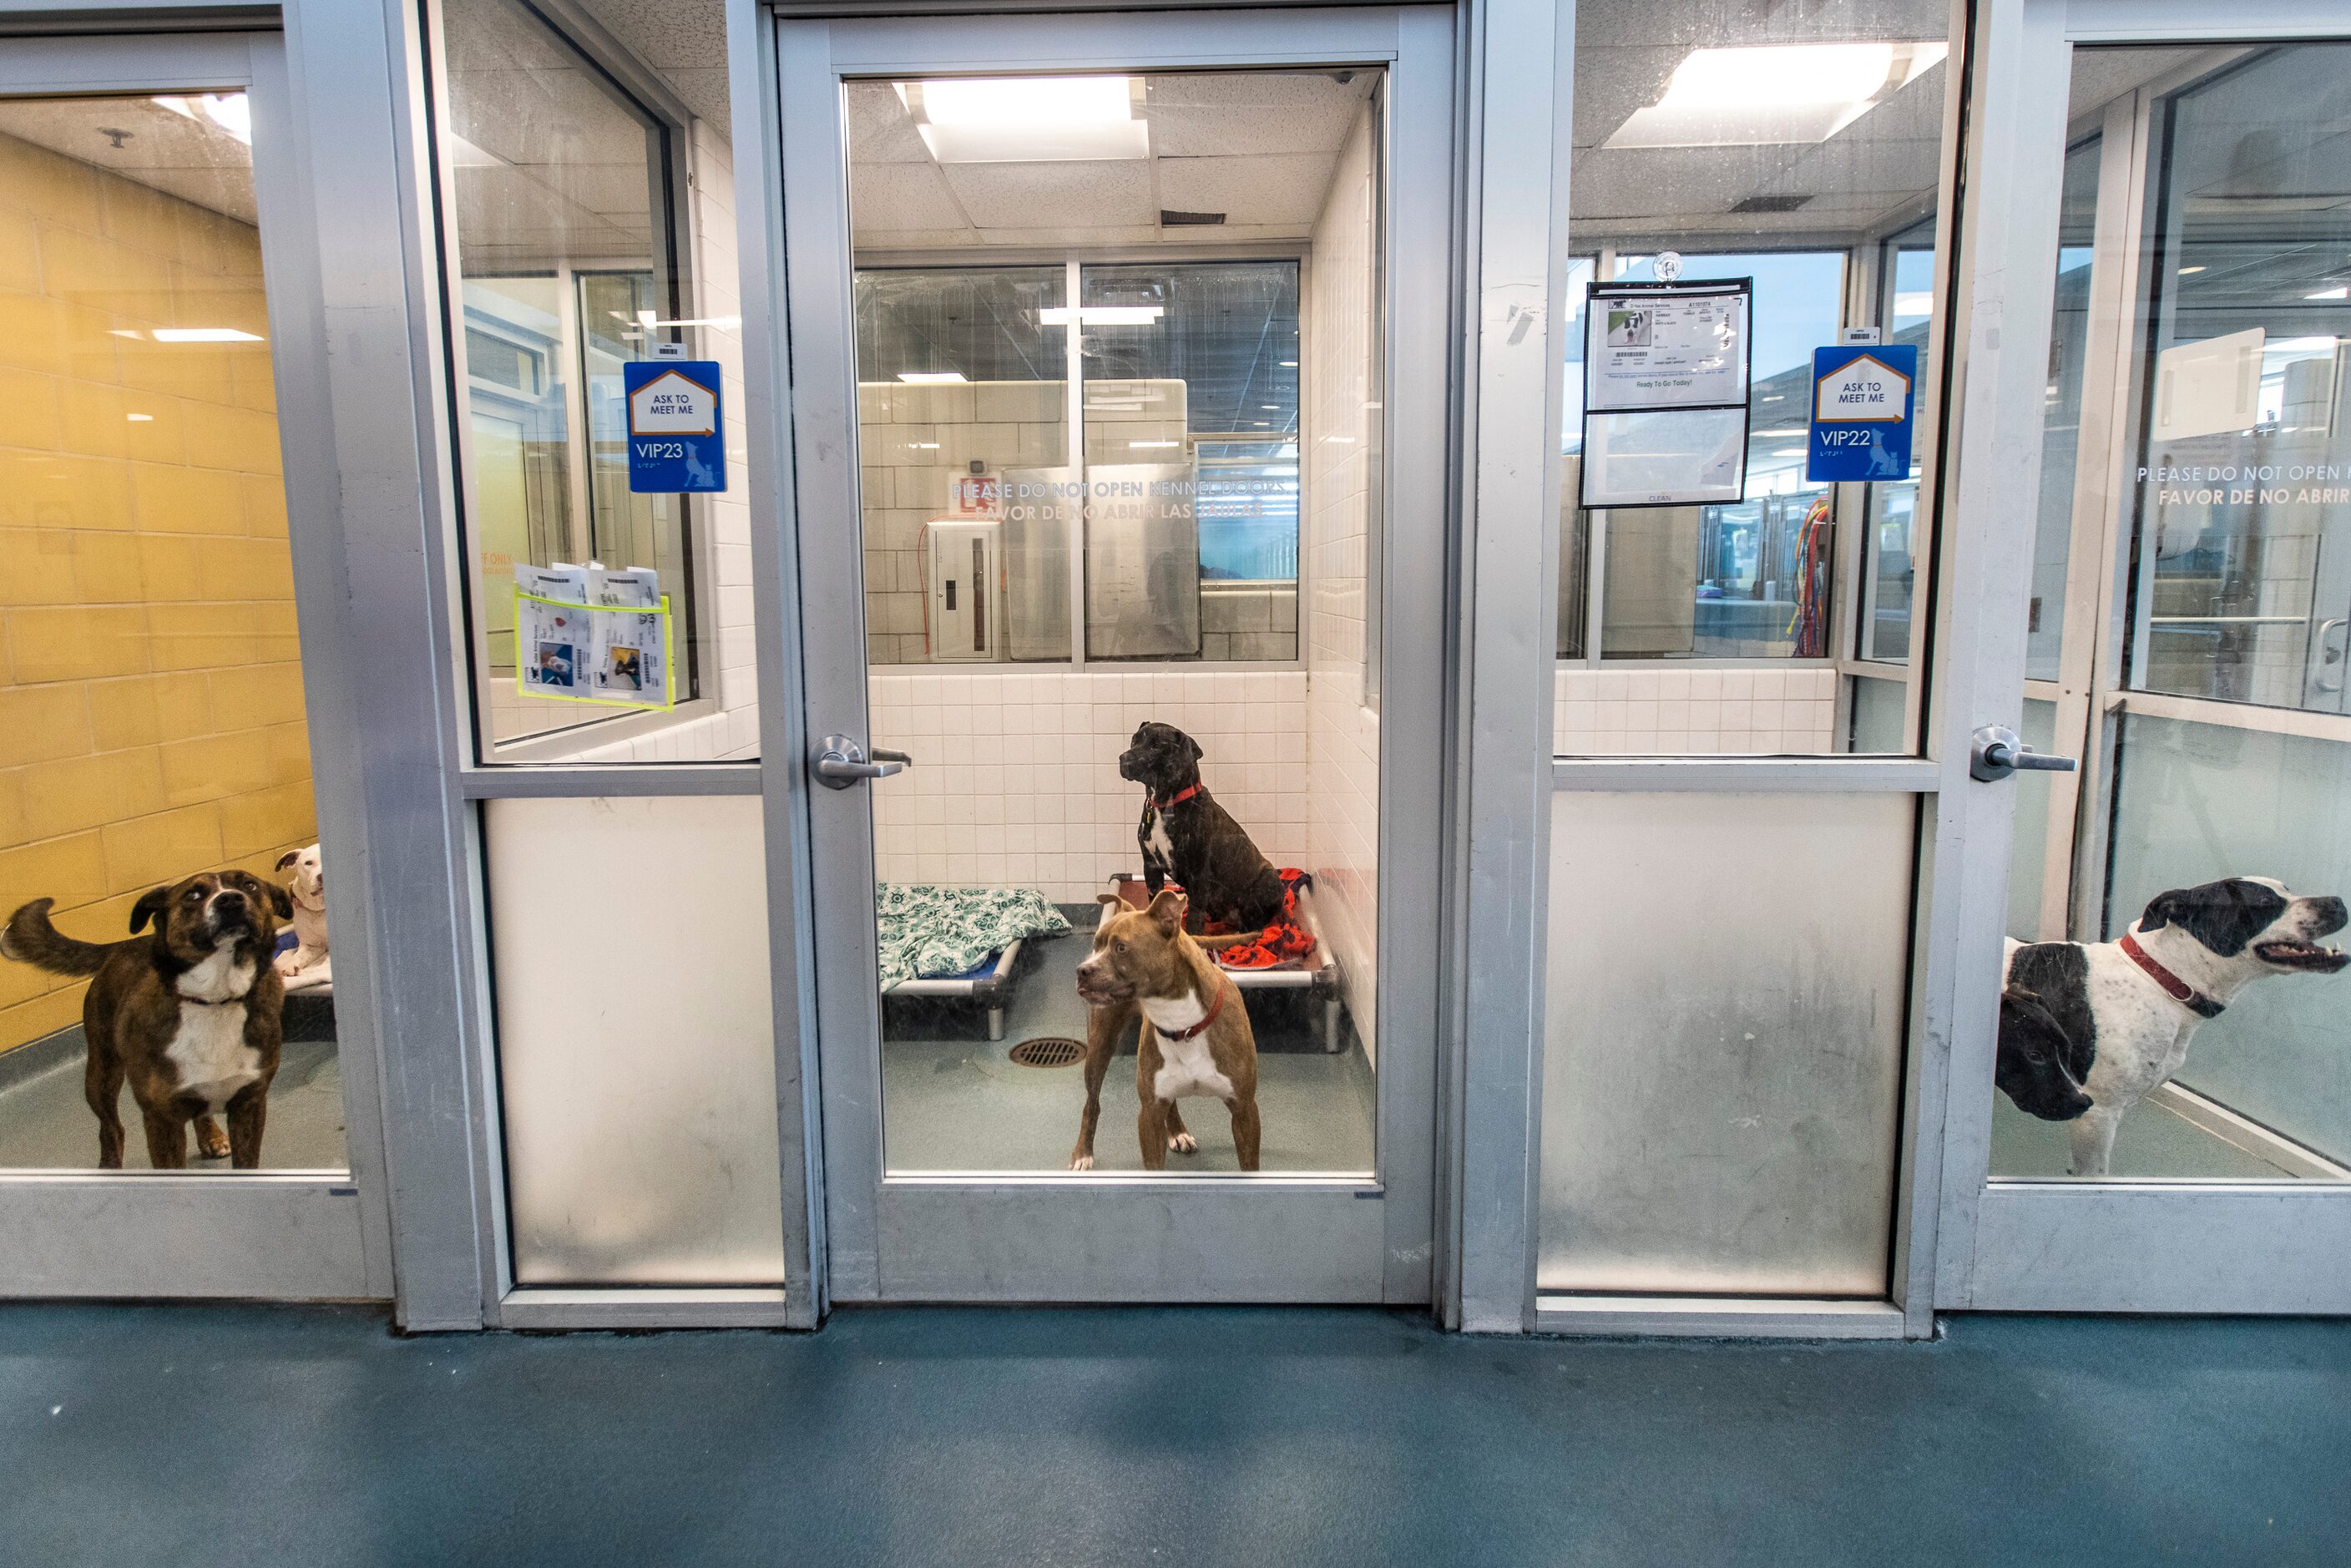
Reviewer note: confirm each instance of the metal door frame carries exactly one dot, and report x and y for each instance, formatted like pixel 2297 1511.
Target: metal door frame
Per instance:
pixel 2179 1246
pixel 296 1234
pixel 1032 1237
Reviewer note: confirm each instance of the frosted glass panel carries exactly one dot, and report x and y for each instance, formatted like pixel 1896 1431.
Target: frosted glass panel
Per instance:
pixel 636 1060
pixel 1722 1065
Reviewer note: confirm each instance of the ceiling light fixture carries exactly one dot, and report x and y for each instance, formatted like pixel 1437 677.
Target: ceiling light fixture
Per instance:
pixel 2187 271
pixel 2338 293
pixel 1153 445
pixel 204 335
pixel 231 112
pixel 1101 315
pixel 930 378
pixel 1027 120
pixel 1774 93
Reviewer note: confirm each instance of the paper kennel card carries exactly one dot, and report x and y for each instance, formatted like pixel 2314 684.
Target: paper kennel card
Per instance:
pixel 594 635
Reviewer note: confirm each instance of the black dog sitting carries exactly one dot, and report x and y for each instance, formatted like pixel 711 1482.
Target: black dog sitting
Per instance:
pixel 1188 839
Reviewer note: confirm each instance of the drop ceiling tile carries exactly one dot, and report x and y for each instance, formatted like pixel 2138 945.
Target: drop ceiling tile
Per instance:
pixel 1124 234
pixel 880 128
pixel 901 196
pixel 1230 114
pixel 1108 193
pixel 1287 189
pixel 665 32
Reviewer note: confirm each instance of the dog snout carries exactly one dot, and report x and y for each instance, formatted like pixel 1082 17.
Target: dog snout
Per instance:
pixel 2326 916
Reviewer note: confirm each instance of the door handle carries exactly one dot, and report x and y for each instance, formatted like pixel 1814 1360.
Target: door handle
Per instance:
pixel 2330 654
pixel 1998 752
pixel 844 762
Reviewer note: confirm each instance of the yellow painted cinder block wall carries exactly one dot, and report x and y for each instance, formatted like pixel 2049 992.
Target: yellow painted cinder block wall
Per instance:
pixel 151 683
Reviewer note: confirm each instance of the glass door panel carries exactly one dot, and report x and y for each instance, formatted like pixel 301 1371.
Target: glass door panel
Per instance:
pixel 1119 534
pixel 1021 810
pixel 2207 833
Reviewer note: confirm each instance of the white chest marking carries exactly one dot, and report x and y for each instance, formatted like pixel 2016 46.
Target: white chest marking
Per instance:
pixel 2143 1034
pixel 208 1050
pixel 1158 847
pixel 1185 1068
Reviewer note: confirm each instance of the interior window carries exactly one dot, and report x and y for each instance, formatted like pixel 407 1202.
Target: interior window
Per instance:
pixel 567 263
pixel 1745 581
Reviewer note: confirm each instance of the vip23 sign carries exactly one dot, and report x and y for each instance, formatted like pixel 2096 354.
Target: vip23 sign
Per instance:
pixel 678 440
pixel 1864 402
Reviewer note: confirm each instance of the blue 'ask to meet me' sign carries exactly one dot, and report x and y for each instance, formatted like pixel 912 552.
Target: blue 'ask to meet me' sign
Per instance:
pixel 1863 399
pixel 678 440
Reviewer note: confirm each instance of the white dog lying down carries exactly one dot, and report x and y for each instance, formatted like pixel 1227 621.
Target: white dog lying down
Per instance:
pixel 308 967
pixel 2119 1014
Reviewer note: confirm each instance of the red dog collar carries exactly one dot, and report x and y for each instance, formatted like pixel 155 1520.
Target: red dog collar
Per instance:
pixel 2178 990
pixel 1215 1008
pixel 1177 799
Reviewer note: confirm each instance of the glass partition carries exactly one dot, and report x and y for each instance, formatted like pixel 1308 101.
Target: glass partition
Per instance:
pixel 154 751
pixel 570 262
pixel 2210 838
pixel 1080 479
pixel 1730 628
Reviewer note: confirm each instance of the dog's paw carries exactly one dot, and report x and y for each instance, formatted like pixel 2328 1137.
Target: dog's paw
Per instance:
pixel 1082 1162
pixel 1183 1144
pixel 287 965
pixel 211 1142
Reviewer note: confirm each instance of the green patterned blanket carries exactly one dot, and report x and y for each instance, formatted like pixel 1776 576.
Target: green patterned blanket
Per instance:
pixel 935 932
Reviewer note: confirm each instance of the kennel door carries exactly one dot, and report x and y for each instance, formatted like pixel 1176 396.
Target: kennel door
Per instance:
pixel 1134 408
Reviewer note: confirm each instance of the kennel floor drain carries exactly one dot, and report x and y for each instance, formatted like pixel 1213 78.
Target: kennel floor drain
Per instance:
pixel 1049 1051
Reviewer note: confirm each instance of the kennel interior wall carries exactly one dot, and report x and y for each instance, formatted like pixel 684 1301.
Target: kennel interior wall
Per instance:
pixel 152 721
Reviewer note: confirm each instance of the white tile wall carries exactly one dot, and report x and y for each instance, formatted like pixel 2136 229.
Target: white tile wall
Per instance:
pixel 1343 737
pixel 732 731
pixel 1016 783
pixel 1605 712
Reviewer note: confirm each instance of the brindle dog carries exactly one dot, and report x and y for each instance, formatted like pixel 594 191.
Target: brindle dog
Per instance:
pixel 189 1014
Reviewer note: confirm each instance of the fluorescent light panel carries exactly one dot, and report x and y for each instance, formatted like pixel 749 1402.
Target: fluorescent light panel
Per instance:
pixel 1101 315
pixel 1774 93
pixel 930 378
pixel 1027 120
pixel 231 111
pixel 204 335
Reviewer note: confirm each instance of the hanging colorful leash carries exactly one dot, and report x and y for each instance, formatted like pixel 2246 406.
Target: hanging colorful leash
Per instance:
pixel 1803 628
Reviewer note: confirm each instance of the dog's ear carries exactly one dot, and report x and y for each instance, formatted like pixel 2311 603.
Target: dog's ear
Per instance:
pixel 150 907
pixel 1166 910
pixel 281 900
pixel 289 858
pixel 1193 746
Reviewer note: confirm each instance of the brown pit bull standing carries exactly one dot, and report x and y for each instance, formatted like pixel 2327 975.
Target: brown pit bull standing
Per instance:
pixel 1196 1033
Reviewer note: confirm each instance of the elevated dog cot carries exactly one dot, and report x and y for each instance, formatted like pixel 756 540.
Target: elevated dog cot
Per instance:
pixel 989 984
pixel 1318 974
pixel 962 943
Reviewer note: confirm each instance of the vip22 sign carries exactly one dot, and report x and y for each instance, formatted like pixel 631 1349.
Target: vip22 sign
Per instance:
pixel 1865 398
pixel 677 441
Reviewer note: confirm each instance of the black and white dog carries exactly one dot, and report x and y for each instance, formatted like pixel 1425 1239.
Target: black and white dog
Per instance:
pixel 1188 839
pixel 2088 1029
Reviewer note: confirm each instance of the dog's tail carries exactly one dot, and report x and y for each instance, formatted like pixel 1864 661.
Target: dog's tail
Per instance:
pixel 29 938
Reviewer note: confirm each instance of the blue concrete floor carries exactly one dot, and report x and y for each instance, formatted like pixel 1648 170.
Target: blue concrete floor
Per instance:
pixel 265 1435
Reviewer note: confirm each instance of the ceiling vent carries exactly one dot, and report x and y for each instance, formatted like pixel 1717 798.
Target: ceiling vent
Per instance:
pixel 1769 203
pixel 1169 218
